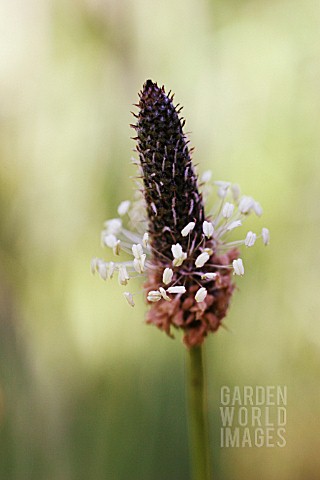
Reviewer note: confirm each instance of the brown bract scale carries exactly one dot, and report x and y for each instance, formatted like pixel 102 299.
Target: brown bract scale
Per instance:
pixel 170 183
pixel 183 312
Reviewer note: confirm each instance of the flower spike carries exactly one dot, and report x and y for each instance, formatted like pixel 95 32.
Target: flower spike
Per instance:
pixel 183 253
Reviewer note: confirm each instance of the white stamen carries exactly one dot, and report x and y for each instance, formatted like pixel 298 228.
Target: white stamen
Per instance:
pixel 176 250
pixel 209 276
pixel 167 276
pixel 178 254
pixel 201 294
pixel 227 210
pixel 202 259
pixel 265 236
pixel 111 269
pixel 209 251
pixel 177 289
pixel 145 239
pixel 138 263
pixel 110 240
pixel 93 265
pixel 123 275
pixel 123 207
pixel 187 229
pixel 143 261
pixel 113 226
pixel 206 176
pixel 128 296
pixel 234 224
pixel 179 261
pixel 154 296
pixel 257 209
pixel 116 248
pixel 164 294
pixel 246 204
pixel 238 268
pixel 137 250
pixel 102 269
pixel 207 229
pixel 223 188
pixel 250 239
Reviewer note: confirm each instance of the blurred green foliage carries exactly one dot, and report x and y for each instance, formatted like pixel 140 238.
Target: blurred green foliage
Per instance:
pixel 87 391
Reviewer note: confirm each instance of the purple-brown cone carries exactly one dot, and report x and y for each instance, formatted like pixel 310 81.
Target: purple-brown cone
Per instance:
pixel 170 184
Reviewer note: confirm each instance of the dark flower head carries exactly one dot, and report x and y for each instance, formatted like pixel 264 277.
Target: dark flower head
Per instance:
pixel 170 183
pixel 180 249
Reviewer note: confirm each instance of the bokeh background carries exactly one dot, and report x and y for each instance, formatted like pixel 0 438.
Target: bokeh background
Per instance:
pixel 87 390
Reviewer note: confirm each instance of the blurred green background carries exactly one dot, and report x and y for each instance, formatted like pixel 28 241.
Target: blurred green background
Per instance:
pixel 87 390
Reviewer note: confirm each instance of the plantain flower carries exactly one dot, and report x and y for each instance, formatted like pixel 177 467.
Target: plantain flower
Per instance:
pixel 179 246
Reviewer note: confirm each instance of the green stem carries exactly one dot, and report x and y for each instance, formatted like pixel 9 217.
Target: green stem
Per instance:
pixel 198 416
